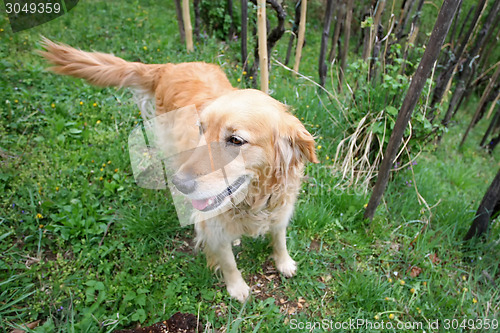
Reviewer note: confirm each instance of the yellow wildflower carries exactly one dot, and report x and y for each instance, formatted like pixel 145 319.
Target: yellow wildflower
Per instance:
pixel 39 216
pixel 81 103
pixel 391 316
pixel 94 105
pixel 53 105
pixel 98 122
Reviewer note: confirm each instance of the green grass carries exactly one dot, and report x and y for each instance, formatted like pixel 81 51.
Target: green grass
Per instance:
pixel 83 254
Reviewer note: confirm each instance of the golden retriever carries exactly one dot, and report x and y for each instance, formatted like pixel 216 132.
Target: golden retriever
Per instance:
pixel 245 122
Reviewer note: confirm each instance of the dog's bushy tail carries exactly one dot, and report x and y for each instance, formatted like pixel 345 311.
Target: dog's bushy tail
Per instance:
pixel 100 68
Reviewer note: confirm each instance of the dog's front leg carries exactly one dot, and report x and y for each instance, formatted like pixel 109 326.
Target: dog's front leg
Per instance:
pixel 221 255
pixel 284 263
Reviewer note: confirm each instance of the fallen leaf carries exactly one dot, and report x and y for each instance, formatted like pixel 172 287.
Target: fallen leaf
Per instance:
pixel 415 271
pixel 31 326
pixel 434 258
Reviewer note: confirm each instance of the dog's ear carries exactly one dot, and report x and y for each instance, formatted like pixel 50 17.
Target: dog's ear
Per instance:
pixel 295 143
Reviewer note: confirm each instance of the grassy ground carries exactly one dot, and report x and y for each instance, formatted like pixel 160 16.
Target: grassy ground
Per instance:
pixel 84 249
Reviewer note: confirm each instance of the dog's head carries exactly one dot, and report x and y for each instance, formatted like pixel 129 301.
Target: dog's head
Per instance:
pixel 247 139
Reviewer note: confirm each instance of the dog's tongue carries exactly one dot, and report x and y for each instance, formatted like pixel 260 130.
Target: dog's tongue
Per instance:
pixel 200 204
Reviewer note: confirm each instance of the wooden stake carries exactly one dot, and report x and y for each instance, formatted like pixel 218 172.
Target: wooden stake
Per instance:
pixel 469 66
pixel 492 125
pixel 418 80
pixel 187 25
pixel 324 42
pixel 487 209
pixel 264 67
pixel 336 31
pixel 302 32
pixel 345 47
pixel 243 37
pixel 180 21
pixel 493 105
pixel 481 105
pixel 367 51
pixel 295 30
pixel 444 80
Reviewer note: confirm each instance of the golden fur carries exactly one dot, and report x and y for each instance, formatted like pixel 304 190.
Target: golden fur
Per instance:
pixel 275 146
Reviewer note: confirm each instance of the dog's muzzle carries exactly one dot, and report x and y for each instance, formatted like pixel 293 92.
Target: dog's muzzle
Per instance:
pixel 185 185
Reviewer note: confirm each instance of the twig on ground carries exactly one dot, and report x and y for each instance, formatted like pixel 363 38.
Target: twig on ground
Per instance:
pixel 106 231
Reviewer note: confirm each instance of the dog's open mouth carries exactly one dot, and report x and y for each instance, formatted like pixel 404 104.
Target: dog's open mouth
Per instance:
pixel 211 203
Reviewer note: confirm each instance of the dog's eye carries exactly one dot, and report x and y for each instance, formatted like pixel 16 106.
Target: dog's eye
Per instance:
pixel 237 141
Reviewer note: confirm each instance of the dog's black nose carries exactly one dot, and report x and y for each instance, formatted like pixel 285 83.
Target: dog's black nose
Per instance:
pixel 185 185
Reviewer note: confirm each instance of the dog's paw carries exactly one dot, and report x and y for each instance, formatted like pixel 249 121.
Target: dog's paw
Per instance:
pixel 287 266
pixel 239 290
